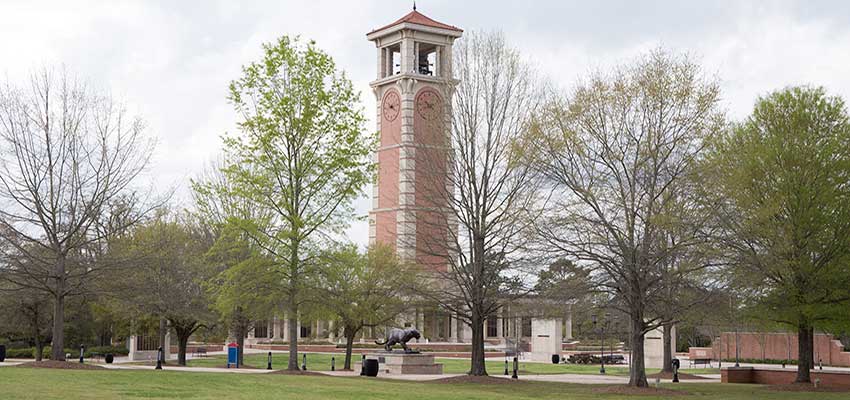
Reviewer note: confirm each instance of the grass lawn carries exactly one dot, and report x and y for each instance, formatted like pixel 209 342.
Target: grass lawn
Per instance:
pixel 31 383
pixel 322 362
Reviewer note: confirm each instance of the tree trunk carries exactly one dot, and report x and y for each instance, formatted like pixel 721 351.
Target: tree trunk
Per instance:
pixel 240 346
pixel 39 349
pixel 58 343
pixel 805 358
pixel 293 338
pixel 161 333
pixel 637 373
pixel 668 353
pixel 184 330
pixel 182 343
pixel 349 346
pixel 478 367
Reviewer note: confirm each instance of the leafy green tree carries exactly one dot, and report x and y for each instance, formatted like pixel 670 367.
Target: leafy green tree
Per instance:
pixel 246 288
pixel 167 279
pixel 782 178
pixel 564 281
pixel 302 157
pixel 27 314
pixel 363 290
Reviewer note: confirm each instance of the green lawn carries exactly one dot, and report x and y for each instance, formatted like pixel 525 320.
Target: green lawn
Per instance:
pixel 26 383
pixel 322 362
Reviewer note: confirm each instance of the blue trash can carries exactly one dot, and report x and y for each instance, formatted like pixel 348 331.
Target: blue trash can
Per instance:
pixel 233 355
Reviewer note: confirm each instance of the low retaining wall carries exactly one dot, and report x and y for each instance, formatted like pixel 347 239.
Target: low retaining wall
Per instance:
pixel 766 376
pixel 334 349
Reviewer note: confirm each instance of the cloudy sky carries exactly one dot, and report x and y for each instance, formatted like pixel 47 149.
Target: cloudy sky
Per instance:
pixel 171 61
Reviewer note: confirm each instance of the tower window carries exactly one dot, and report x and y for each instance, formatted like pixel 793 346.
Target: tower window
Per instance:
pixel 426 59
pixel 391 60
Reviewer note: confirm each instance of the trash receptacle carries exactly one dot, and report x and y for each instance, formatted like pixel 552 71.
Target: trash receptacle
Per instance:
pixel 371 367
pixel 233 355
pixel 2 353
pixel 556 358
pixel 109 358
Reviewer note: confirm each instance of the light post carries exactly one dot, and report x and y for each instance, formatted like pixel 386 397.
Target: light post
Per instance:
pixel 602 337
pixel 159 357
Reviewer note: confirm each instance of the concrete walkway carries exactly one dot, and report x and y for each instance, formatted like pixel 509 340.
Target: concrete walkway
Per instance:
pixel 395 377
pixel 188 369
pixel 563 378
pixel 12 363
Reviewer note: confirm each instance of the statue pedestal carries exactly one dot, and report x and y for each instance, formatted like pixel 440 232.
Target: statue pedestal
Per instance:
pixel 406 364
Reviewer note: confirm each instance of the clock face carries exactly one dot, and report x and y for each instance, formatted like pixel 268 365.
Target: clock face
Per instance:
pixel 392 106
pixel 428 105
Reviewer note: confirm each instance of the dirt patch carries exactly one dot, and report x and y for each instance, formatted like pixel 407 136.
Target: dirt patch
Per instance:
pixel 804 387
pixel 637 391
pixel 669 375
pixel 481 380
pixel 58 365
pixel 296 372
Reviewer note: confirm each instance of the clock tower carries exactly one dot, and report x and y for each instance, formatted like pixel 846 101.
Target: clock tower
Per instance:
pixel 413 91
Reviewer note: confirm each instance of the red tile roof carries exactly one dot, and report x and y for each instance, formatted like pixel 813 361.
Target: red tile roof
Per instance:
pixel 415 17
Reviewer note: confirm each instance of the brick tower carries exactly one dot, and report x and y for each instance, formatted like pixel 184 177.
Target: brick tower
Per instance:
pixel 412 88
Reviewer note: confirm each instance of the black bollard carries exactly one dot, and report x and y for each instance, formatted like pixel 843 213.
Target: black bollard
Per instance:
pixel 82 352
pixel 820 364
pixel 159 358
pixel 516 367
pixel 270 361
pixel 333 363
pixel 304 362
pixel 506 366
pixel 363 365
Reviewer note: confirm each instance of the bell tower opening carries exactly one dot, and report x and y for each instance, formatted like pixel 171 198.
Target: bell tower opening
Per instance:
pixel 413 87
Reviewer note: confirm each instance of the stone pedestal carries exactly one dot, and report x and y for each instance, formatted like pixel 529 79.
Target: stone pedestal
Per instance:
pixel 653 347
pixel 405 364
pixel 545 339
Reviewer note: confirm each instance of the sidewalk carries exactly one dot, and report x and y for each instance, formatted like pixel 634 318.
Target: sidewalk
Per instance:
pixel 188 369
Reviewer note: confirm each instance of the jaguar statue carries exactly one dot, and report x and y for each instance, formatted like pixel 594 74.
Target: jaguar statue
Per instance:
pixel 399 336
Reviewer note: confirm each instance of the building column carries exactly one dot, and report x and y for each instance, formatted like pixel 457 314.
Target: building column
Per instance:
pixel 167 348
pixel 420 324
pixel 453 328
pixel 500 333
pixel 285 328
pixel 297 329
pixel 331 334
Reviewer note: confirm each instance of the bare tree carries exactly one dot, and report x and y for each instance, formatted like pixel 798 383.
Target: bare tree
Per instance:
pixel 68 158
pixel 618 153
pixel 478 213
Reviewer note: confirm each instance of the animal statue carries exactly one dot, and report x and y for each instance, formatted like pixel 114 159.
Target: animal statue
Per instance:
pixel 399 336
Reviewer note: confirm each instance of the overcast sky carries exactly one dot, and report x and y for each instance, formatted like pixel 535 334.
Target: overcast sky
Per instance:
pixel 171 61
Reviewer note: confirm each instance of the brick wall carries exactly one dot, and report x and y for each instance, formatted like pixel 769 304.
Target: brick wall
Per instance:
pixel 766 376
pixel 776 346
